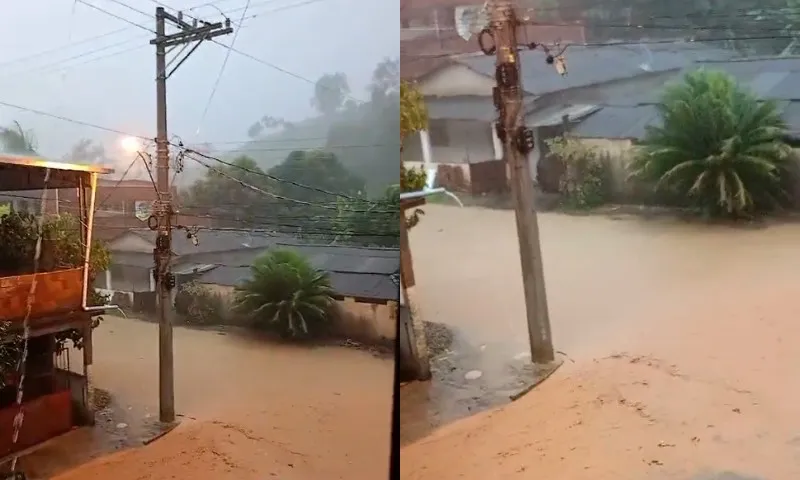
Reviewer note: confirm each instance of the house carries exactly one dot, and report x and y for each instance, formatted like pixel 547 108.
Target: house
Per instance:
pixel 366 282
pixel 428 35
pixel 617 126
pixel 130 277
pixel 363 278
pixel 461 139
pixel 55 396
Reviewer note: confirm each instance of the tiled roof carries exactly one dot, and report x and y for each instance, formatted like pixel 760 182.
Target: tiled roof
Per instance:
pixel 354 272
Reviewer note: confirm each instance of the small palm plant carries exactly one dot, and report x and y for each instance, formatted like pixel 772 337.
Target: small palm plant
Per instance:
pixel 286 294
pixel 719 147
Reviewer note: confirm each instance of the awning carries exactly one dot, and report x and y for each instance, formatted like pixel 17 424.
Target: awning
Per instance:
pixel 20 172
pixel 552 116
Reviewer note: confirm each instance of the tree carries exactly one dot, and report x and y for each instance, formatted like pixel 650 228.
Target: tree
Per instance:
pixel 330 92
pixel 413 113
pixel 222 192
pixel 369 222
pixel 16 140
pixel 267 122
pixel 319 170
pixel 385 80
pixel 86 151
pixel 719 147
pixel 413 118
pixel 286 294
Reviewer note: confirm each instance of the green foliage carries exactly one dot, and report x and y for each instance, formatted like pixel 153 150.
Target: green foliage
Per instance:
pixel 287 295
pixel 18 234
pixel 199 306
pixel 62 247
pixel 412 179
pixel 318 169
pixel 585 182
pixel 9 352
pixel 330 92
pixel 221 193
pixel 16 140
pixel 413 113
pixel 369 222
pixel 719 146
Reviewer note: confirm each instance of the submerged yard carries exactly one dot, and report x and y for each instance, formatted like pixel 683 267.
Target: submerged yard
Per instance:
pixel 249 410
pixel 681 358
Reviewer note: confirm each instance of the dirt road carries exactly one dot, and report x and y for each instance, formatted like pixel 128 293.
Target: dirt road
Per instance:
pixel 683 342
pixel 251 410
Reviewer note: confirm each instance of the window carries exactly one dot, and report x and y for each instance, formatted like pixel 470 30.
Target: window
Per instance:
pixel 446 17
pixel 438 134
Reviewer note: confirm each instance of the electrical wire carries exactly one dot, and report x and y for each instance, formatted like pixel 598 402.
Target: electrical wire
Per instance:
pixel 282 70
pixel 71 120
pixel 114 15
pixel 270 194
pixel 221 71
pixel 49 66
pixel 272 177
pixel 289 149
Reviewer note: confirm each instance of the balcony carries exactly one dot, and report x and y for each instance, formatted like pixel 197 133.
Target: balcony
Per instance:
pixel 56 293
pixel 57 290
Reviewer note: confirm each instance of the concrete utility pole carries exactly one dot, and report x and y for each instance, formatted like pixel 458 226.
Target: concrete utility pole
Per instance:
pixel 165 281
pixel 518 142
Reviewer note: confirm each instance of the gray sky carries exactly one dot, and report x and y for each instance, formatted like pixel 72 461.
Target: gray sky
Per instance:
pixel 110 82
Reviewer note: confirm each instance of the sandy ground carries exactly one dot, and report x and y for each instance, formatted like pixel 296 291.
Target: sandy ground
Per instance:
pixel 683 346
pixel 251 410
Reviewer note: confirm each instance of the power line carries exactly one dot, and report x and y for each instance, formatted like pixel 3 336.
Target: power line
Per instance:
pixel 289 149
pixel 280 69
pixel 274 195
pixel 71 120
pixel 273 177
pixel 114 15
pixel 221 71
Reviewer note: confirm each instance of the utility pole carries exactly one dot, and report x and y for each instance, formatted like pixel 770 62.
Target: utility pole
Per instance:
pixel 165 281
pixel 518 142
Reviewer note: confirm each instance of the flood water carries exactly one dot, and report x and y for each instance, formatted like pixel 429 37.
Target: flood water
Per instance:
pixel 668 327
pixel 249 410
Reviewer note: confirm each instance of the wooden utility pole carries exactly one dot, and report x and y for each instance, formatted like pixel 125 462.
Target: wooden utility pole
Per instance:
pixel 517 144
pixel 165 280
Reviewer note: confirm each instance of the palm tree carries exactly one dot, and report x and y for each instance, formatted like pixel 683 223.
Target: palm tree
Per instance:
pixel 719 147
pixel 16 140
pixel 286 294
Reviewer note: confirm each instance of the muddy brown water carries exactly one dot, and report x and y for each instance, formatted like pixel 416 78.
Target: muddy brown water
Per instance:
pixel 249 410
pixel 681 341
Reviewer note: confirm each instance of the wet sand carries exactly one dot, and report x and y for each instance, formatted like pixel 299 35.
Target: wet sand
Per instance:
pixel 249 410
pixel 682 341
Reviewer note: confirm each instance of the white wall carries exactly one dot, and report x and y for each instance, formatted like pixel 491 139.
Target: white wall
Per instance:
pixel 456 80
pixel 468 142
pixel 131 242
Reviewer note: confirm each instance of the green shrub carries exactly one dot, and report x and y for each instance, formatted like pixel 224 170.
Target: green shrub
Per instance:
pixel 286 295
pixel 586 181
pixel 199 306
pixel 719 146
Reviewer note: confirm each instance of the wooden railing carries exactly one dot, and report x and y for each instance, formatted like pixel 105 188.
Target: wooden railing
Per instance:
pixel 56 292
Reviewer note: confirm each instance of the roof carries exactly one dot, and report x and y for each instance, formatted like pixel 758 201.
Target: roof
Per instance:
pixel 354 271
pixel 464 107
pixel 773 78
pixel 588 65
pixel 40 162
pixel 210 241
pixel 617 122
pixel 26 172
pixel 548 117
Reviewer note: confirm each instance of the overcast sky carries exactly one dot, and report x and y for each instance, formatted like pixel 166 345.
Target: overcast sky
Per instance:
pixel 54 59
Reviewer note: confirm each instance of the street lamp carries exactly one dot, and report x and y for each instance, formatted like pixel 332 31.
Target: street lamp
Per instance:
pixel 130 144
